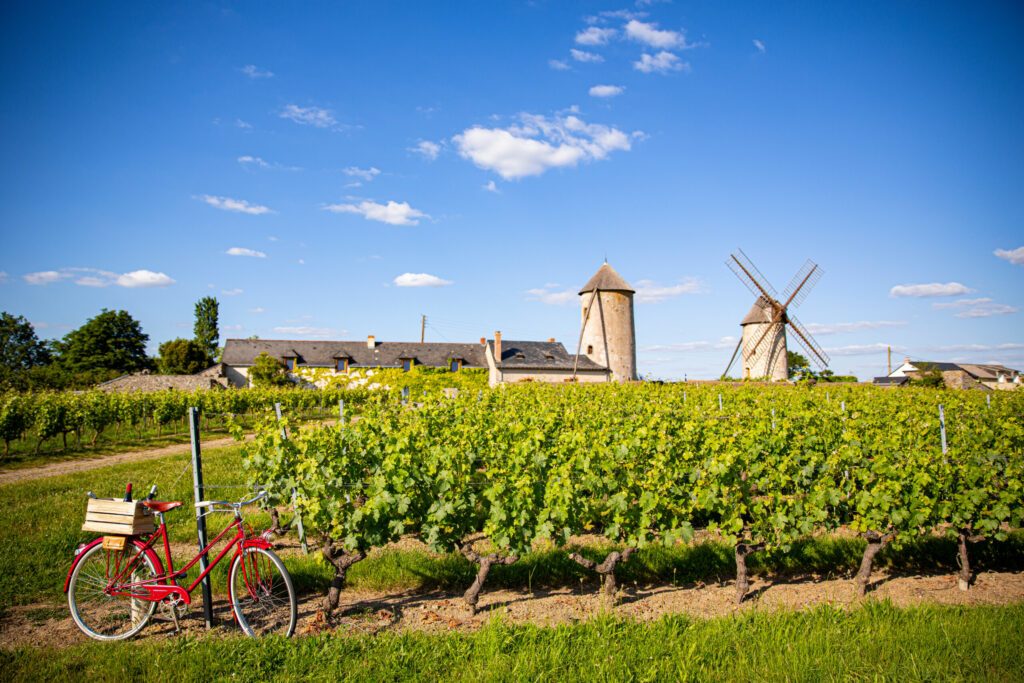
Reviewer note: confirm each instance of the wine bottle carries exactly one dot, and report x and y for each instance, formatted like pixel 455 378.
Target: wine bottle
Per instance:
pixel 128 493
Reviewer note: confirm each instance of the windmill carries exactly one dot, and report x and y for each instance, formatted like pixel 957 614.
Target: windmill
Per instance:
pixel 764 328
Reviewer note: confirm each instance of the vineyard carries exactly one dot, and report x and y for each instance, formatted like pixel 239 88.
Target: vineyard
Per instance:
pixel 493 475
pixel 35 421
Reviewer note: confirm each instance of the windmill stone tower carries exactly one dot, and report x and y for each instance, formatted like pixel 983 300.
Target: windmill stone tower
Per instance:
pixel 607 329
pixel 769 360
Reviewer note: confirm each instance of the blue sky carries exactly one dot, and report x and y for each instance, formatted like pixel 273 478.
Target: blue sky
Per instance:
pixel 337 170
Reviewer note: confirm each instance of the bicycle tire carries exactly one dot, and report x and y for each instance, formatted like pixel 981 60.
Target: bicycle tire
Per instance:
pixel 260 607
pixel 83 588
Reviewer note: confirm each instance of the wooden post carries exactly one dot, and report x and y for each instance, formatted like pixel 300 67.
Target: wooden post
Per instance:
pixel 298 517
pixel 719 401
pixel 423 328
pixel 341 411
pixel 197 487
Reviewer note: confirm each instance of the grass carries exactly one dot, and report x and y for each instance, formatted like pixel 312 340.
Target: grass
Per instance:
pixel 876 641
pixel 40 523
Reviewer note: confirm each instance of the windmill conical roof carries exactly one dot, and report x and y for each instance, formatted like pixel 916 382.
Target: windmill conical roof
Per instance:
pixel 760 312
pixel 607 280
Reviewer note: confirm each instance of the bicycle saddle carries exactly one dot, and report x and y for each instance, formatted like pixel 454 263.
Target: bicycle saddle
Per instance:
pixel 158 506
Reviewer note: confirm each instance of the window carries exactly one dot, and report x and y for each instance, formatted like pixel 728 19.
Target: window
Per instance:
pixel 290 364
pixel 455 365
pixel 341 365
pixel 406 364
pixel 590 349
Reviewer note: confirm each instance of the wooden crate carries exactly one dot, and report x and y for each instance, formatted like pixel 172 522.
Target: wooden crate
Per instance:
pixel 118 518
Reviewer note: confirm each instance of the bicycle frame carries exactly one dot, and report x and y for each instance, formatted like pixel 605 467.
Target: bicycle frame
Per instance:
pixel 165 585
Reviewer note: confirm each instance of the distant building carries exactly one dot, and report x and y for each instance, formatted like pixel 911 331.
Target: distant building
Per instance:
pixel 532 361
pixel 344 356
pixel 211 378
pixel 956 375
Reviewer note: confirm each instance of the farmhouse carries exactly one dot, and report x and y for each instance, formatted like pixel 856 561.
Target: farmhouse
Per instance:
pixel 211 378
pixel 343 356
pixel 988 377
pixel 607 347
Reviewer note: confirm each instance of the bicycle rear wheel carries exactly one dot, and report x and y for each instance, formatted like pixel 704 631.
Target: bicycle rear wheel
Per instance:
pixel 262 594
pixel 102 616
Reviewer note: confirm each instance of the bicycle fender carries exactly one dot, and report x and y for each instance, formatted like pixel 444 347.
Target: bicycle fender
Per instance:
pixel 257 543
pixel 80 551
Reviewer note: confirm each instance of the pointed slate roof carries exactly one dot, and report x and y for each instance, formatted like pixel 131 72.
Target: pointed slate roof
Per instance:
pixel 607 280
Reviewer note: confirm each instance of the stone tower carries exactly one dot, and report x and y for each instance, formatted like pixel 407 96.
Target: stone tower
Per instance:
pixel 769 359
pixel 608 331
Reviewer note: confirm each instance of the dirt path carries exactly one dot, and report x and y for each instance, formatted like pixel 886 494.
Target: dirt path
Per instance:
pixel 56 469
pixel 372 612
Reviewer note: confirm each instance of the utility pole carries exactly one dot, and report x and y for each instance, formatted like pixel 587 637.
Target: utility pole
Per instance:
pixel 423 327
pixel 889 363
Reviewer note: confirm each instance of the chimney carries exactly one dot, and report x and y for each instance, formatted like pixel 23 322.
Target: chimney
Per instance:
pixel 371 342
pixel 551 340
pixel 483 341
pixel 497 346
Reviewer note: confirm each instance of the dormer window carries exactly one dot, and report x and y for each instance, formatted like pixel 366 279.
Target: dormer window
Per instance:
pixel 341 365
pixel 290 363
pixel 406 364
pixel 455 364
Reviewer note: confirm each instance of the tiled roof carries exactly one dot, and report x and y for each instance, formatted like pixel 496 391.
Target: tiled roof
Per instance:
pixel 532 355
pixel 242 352
pixel 148 382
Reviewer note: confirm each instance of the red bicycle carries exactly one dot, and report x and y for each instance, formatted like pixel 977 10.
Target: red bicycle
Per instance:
pixel 113 593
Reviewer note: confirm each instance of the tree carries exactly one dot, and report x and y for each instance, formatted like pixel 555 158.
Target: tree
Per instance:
pixel 113 341
pixel 206 331
pixel 798 364
pixel 181 357
pixel 267 371
pixel 20 348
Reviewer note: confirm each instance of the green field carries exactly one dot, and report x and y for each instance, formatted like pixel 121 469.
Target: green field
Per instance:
pixel 876 642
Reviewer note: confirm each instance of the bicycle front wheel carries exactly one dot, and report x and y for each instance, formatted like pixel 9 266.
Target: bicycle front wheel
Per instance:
pixel 102 616
pixel 262 594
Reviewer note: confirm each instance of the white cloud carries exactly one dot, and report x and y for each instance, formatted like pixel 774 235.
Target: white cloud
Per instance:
pixel 244 125
pixel 366 174
pixel 44 277
pixel 930 289
pixel 549 294
pixel 558 64
pixel 759 45
pixel 429 150
pixel 692 346
pixel 962 303
pixel 309 116
pixel 606 90
pixel 258 309
pixel 1014 256
pixel 232 292
pixel 663 62
pixel 243 251
pixel 1010 346
pixel 842 328
pixel 95 277
pixel 860 349
pixel 986 310
pixel 649 292
pixel 4 277
pixel 420 280
pixel 649 34
pixel 539 143
pixel 238 205
pixel 587 57
pixel 595 36
pixel 392 213
pixel 254 72
pixel 143 278
pixel 250 161
pixel 306 331
pixel 232 328
pixel 491 186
